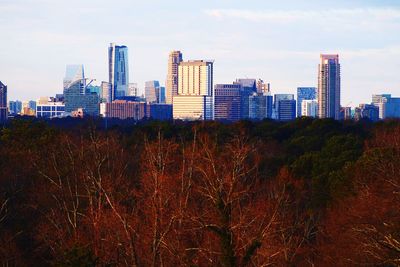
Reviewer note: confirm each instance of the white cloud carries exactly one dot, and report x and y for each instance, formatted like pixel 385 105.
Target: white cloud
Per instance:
pixel 287 16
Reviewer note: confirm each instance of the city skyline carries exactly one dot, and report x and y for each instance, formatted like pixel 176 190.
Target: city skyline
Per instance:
pixel 360 32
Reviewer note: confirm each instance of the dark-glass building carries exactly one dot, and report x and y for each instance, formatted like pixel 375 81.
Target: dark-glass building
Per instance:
pixel 118 71
pixel 3 103
pixel 227 102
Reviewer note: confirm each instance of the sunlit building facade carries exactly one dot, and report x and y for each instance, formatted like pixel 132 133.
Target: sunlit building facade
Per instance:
pixel 174 59
pixel 123 109
pixel 194 100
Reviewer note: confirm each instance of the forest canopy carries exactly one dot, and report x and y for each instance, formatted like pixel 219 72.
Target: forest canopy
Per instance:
pixel 304 193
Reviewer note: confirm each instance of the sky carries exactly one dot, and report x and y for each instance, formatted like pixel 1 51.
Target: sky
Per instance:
pixel 277 41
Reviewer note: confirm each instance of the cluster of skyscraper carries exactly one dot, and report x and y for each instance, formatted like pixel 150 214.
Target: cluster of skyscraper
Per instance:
pixel 190 94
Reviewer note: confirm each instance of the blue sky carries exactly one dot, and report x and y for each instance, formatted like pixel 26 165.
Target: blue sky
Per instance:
pixel 277 41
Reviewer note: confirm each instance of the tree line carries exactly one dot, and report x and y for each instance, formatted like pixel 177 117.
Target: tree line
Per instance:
pixel 304 193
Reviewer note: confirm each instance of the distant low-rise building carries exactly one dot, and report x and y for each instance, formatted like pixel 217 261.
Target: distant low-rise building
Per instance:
pixel 193 107
pixel 162 112
pixel 123 109
pixel 49 108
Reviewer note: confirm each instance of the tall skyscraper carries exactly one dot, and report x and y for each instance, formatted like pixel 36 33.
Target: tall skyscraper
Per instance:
pixel 118 71
pixel 175 58
pixel 195 91
pixel 152 92
pixel 329 87
pixel 304 93
pixel 3 103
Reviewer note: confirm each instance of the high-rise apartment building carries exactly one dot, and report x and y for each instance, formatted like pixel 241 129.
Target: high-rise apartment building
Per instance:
pixel 305 93
pixel 195 91
pixel 309 108
pixel 195 77
pixel 3 103
pixel 152 92
pixel 329 87
pixel 175 58
pixel 118 71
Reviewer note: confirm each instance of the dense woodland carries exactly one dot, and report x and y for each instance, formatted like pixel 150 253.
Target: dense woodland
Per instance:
pixel 305 193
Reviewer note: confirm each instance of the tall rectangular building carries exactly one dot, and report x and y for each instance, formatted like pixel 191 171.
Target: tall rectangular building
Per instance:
pixel 118 71
pixel 305 93
pixel 195 77
pixel 227 102
pixel 175 58
pixel 3 103
pixel 329 87
pixel 194 100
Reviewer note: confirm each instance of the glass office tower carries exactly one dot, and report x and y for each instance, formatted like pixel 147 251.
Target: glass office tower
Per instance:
pixel 118 71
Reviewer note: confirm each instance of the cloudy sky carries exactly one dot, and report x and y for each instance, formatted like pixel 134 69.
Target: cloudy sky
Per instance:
pixel 278 41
